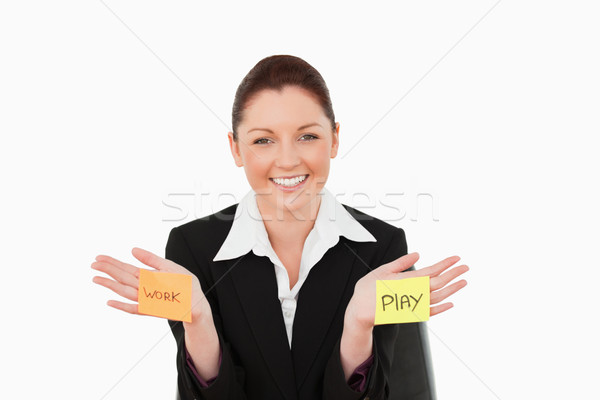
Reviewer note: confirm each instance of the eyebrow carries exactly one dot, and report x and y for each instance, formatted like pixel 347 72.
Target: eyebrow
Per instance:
pixel 300 128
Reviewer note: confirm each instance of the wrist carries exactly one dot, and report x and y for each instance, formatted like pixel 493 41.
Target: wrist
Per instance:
pixel 203 346
pixel 353 322
pixel 201 310
pixel 202 325
pixel 357 332
pixel 356 345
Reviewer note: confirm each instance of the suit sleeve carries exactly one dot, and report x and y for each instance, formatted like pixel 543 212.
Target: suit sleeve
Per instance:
pixel 229 382
pixel 401 366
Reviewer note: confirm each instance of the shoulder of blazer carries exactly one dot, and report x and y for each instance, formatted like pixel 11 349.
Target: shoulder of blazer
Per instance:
pixel 382 230
pixel 209 232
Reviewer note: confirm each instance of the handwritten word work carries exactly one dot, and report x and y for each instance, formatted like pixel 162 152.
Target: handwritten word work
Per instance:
pixel 166 295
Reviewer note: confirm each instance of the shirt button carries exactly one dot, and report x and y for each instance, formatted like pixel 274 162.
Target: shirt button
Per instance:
pixel 288 314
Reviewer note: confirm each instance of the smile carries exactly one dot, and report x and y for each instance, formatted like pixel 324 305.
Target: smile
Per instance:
pixel 289 182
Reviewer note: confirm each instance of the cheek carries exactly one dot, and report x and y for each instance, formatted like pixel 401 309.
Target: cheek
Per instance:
pixel 319 161
pixel 255 167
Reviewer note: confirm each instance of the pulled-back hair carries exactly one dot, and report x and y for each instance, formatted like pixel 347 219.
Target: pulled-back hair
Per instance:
pixel 276 72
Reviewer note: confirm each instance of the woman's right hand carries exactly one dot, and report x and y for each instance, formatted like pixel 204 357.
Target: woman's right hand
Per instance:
pixel 125 281
pixel 361 308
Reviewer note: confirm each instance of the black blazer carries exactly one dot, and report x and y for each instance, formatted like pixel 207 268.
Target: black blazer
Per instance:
pixel 257 361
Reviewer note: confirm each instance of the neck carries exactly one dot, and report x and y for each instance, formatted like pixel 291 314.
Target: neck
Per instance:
pixel 289 227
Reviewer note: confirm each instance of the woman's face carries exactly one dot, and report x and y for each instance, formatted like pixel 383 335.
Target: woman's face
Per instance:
pixel 284 137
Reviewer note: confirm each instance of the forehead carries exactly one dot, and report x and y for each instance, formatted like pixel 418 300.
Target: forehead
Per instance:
pixel 292 106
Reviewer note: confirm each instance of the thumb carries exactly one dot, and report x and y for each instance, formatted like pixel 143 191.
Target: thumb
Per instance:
pixel 150 259
pixel 402 263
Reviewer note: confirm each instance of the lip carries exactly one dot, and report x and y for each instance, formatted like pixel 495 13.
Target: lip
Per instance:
pixel 289 176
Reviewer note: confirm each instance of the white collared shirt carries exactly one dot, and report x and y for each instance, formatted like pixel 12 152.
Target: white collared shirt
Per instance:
pixel 248 233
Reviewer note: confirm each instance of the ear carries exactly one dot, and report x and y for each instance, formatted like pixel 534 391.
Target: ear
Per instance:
pixel 235 150
pixel 336 140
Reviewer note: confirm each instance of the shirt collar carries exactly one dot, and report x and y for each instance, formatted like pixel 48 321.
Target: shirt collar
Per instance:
pixel 248 229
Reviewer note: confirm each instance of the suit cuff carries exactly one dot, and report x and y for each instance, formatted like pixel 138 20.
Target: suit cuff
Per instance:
pixel 335 383
pixel 358 379
pixel 190 364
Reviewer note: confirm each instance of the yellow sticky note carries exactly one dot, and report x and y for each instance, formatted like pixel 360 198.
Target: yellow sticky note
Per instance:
pixel 402 300
pixel 166 295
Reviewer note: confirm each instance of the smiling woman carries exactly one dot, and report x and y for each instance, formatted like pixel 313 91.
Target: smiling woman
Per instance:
pixel 284 282
pixel 285 144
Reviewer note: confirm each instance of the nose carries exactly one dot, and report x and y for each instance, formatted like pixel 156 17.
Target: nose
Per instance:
pixel 288 156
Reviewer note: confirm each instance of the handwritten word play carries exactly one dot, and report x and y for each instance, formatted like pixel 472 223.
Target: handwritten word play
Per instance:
pixel 402 300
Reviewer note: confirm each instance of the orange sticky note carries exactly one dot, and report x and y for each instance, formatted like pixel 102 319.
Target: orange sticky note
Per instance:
pixel 166 295
pixel 402 300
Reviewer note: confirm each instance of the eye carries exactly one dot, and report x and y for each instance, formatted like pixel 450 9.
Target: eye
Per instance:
pixel 310 137
pixel 260 141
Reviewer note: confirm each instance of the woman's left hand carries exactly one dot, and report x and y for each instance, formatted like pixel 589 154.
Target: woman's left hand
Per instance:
pixel 361 308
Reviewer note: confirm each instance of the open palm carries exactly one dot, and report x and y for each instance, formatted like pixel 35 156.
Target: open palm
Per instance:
pixel 125 280
pixel 362 304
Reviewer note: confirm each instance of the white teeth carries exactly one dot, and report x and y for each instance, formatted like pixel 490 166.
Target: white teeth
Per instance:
pixel 289 182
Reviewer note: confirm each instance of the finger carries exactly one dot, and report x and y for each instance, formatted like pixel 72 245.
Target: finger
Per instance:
pixel 440 295
pixel 122 290
pixel 439 282
pixel 127 307
pixel 116 273
pixel 439 267
pixel 401 263
pixel 133 270
pixel 151 259
pixel 439 309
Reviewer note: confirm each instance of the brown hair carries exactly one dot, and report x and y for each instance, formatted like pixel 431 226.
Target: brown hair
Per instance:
pixel 276 72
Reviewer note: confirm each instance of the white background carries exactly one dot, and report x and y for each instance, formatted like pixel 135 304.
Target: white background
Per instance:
pixel 113 113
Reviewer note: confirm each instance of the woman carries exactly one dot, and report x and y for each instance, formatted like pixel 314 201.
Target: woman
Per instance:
pixel 284 281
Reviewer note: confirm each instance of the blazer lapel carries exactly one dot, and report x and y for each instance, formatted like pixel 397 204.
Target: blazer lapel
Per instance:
pixel 322 291
pixel 256 287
